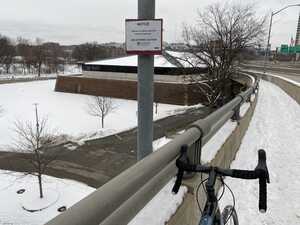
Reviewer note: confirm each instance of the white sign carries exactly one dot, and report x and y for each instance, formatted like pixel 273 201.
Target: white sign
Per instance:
pixel 144 37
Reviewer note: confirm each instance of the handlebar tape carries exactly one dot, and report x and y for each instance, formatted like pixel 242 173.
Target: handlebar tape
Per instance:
pixel 182 159
pixel 244 174
pixel 177 184
pixel 262 195
pixel 263 174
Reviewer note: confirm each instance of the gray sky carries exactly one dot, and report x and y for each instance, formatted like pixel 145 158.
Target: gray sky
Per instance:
pixel 76 21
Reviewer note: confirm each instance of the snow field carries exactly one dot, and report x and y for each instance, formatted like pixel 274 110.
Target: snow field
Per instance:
pixel 58 192
pixel 65 112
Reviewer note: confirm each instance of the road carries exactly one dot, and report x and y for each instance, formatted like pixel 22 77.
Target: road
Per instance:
pixel 98 161
pixel 287 71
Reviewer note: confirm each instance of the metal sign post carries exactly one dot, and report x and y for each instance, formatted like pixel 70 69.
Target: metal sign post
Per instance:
pixel 146 10
pixel 144 38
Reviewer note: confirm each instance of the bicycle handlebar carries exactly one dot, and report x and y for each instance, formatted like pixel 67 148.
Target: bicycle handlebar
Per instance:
pixel 260 172
pixel 262 169
pixel 182 157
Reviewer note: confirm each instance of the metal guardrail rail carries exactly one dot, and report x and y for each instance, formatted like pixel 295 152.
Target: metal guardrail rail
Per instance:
pixel 119 200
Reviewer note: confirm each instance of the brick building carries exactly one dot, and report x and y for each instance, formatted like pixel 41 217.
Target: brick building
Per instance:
pixel 117 78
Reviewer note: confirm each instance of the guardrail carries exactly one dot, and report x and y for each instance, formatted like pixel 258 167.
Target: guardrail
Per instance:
pixel 290 87
pixel 271 68
pixel 119 200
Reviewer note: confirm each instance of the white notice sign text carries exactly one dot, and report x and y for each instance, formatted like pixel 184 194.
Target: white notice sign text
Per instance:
pixel 144 37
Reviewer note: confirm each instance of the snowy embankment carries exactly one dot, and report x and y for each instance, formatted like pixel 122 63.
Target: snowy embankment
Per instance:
pixel 275 127
pixel 68 113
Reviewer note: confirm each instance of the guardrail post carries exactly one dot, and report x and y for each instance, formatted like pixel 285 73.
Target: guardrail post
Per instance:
pixel 195 155
pixel 249 98
pixel 236 116
pixel 197 151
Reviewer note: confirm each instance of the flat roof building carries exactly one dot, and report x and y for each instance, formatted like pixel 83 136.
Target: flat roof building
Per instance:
pixel 118 78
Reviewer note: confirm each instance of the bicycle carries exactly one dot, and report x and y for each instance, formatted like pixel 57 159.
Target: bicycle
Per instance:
pixel 211 213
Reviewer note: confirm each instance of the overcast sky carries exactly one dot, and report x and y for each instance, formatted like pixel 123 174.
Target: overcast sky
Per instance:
pixel 77 21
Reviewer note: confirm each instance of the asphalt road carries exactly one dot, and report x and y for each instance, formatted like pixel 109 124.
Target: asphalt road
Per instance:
pixel 289 72
pixel 98 161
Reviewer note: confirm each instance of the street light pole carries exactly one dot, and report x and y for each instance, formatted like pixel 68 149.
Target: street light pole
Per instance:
pixel 37 126
pixel 269 33
pixel 268 43
pixel 146 10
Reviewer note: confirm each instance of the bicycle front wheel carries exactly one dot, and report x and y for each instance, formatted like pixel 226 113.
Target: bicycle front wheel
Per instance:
pixel 229 216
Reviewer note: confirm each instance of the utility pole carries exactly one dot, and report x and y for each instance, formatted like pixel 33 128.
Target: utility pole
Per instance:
pixel 146 10
pixel 268 43
pixel 37 126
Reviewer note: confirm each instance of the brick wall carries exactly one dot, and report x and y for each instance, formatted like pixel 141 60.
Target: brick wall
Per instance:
pixel 169 93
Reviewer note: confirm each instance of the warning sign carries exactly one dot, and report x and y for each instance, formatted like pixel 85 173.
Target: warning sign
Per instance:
pixel 144 37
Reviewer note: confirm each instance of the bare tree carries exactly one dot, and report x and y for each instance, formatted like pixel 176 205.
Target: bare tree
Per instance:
pixel 100 107
pixel 54 56
pixel 34 140
pixel 39 55
pixel 24 49
pixel 7 52
pixel 223 31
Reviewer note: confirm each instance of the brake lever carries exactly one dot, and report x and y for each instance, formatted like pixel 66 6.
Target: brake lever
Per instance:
pixel 179 176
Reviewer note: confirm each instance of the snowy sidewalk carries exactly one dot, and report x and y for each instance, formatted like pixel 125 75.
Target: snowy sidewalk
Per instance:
pixel 275 127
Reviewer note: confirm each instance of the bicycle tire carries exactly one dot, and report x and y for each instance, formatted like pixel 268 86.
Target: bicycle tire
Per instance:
pixel 230 211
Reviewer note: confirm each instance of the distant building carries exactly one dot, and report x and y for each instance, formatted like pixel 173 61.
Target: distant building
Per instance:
pixel 118 78
pixel 297 41
pixel 176 46
pixel 114 44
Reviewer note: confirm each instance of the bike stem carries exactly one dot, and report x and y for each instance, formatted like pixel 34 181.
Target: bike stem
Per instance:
pixel 210 186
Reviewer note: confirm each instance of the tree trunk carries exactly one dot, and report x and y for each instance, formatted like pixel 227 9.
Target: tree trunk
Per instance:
pixel 102 121
pixel 39 69
pixel 40 185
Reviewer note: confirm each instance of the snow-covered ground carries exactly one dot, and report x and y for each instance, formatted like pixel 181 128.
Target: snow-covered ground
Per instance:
pixel 58 193
pixel 62 192
pixel 160 209
pixel 275 127
pixel 68 70
pixel 65 112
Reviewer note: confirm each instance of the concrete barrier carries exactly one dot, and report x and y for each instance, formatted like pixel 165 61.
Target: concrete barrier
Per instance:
pixel 188 213
pixel 290 88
